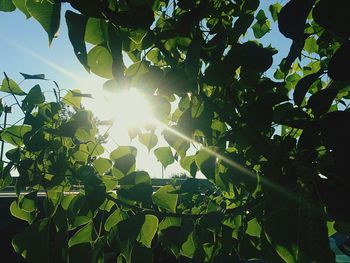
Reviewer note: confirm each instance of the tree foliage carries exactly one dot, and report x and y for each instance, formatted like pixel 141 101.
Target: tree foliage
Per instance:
pixel 269 135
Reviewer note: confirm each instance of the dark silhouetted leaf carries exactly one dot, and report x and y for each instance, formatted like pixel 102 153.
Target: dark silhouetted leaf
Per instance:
pixel 47 13
pixel 322 100
pixel 303 86
pixel 7 6
pixel 76 31
pixel 339 64
pixel 36 76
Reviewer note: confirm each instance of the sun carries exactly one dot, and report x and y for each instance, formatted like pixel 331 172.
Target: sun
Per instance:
pixel 130 109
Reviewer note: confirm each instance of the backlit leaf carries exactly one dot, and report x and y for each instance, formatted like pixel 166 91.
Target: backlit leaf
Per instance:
pixel 165 199
pixel 47 13
pixel 11 86
pixel 148 230
pixel 164 156
pixel 100 61
pixel 83 235
pixel 149 140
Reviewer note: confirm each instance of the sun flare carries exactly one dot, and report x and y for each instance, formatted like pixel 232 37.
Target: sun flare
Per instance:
pixel 130 109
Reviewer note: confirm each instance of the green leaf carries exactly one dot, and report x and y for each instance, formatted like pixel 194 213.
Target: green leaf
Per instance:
pixel 137 70
pixel 141 192
pixel 137 36
pixel 274 10
pixel 311 45
pixel 175 141
pixel 28 202
pixel 100 62
pixel 135 178
pixel 33 242
pixel 160 107
pixel 76 31
pixel 188 248
pixel 102 165
pixel 12 87
pixel 254 228
pixel 16 211
pixel 35 76
pixel 123 166
pixel 96 31
pixel 169 222
pixel 189 164
pixel 149 140
pixel 122 151
pixel 124 160
pixel 206 163
pixel 154 55
pixel 165 199
pixel 70 99
pixel 262 26
pixel 117 216
pixel 164 156
pixel 7 6
pixel 330 228
pixel 85 234
pixel 33 98
pixel 14 134
pixel 21 5
pixel 47 13
pixel 148 230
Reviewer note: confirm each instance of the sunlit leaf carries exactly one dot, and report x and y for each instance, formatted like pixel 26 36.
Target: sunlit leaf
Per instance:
pixel 72 100
pixel 10 86
pixel 102 165
pixel 165 199
pixel 150 140
pixel 134 178
pixel 275 9
pixel 100 61
pixel 22 214
pixel 148 230
pixel 164 156
pixel 15 134
pixel 114 218
pixel 206 163
pixel 262 26
pixel 96 31
pixel 83 235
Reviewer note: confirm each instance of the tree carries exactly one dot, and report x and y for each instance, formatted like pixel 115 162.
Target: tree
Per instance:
pixel 274 146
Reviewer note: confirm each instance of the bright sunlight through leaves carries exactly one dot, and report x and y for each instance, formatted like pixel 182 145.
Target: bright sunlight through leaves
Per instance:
pixel 130 109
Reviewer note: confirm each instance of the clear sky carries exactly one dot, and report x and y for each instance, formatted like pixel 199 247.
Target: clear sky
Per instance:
pixel 24 48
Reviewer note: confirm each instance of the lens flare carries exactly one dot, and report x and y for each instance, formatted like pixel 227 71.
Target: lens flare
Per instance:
pixel 130 109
